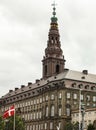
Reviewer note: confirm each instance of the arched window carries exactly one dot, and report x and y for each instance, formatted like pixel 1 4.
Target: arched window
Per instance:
pixel 57 68
pixel 46 111
pixel 52 110
pixel 45 69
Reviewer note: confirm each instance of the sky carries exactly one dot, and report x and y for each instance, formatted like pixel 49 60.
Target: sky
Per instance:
pixel 24 27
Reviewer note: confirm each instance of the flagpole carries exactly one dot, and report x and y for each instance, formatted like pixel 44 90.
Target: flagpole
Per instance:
pixel 14 118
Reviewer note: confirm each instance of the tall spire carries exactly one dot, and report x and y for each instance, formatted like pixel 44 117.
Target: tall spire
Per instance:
pixel 53 61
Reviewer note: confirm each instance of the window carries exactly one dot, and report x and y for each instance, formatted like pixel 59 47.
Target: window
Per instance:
pixel 27 127
pixel 40 100
pixel 57 68
pixel 36 127
pixel 52 110
pixel 94 98
pixel 31 102
pixel 88 98
pixel 46 111
pixel 60 95
pixel 52 97
pixel 51 125
pixel 82 96
pixel 40 114
pixel 75 96
pixel 34 101
pixel 34 115
pixel 37 101
pixel 75 102
pixel 43 99
pixel 37 115
pixel 45 69
pixel 41 126
pixel 88 104
pixel 45 126
pixel 46 97
pixel 60 111
pixel 33 127
pixel 68 95
pixel 68 111
pixel 94 105
pixel 30 127
pixel 28 103
pixel 31 116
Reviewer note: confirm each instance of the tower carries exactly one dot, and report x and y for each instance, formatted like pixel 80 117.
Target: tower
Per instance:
pixel 53 61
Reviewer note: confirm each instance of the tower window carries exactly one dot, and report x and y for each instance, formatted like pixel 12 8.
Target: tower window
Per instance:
pixel 45 69
pixel 57 68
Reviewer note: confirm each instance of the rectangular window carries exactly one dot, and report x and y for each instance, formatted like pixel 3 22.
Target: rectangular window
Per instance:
pixel 36 127
pixel 51 125
pixel 37 101
pixel 59 111
pixel 88 104
pixel 41 126
pixel 34 101
pixel 94 98
pixel 45 126
pixel 43 99
pixel 40 114
pixel 68 111
pixel 52 97
pixel 33 127
pixel 37 115
pixel 40 100
pixel 60 95
pixel 75 96
pixel 46 97
pixel 82 97
pixel 68 95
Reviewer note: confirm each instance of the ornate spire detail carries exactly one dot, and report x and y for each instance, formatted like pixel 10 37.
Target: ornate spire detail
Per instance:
pixel 54 19
pixel 53 61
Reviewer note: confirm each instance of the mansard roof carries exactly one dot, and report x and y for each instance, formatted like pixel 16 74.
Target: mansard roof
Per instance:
pixel 71 75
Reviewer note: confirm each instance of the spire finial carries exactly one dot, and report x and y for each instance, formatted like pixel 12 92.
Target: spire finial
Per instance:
pixel 54 8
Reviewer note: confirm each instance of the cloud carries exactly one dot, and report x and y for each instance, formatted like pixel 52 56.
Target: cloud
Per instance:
pixel 24 27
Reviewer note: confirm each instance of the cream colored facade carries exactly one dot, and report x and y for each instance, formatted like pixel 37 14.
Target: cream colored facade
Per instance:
pixel 89 117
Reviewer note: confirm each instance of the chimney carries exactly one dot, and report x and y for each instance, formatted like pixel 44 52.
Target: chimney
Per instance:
pixel 22 86
pixel 29 83
pixel 10 91
pixel 16 89
pixel 37 80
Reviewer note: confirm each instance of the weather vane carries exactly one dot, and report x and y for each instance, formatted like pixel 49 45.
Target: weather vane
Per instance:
pixel 54 4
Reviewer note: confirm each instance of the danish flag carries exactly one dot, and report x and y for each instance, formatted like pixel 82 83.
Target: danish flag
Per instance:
pixel 9 112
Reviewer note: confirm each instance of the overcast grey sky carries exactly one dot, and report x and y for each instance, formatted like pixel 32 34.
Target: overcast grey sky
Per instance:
pixel 24 26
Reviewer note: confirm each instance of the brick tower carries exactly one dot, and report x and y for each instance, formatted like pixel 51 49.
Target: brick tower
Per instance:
pixel 53 61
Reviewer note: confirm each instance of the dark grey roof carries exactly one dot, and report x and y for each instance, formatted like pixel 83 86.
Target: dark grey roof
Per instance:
pixel 67 74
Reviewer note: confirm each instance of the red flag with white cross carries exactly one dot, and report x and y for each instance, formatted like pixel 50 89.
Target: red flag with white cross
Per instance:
pixel 9 112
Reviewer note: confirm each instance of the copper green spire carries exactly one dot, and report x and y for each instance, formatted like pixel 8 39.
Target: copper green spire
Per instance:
pixel 54 18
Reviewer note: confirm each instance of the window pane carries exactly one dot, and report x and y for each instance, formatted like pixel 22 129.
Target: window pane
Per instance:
pixel 52 110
